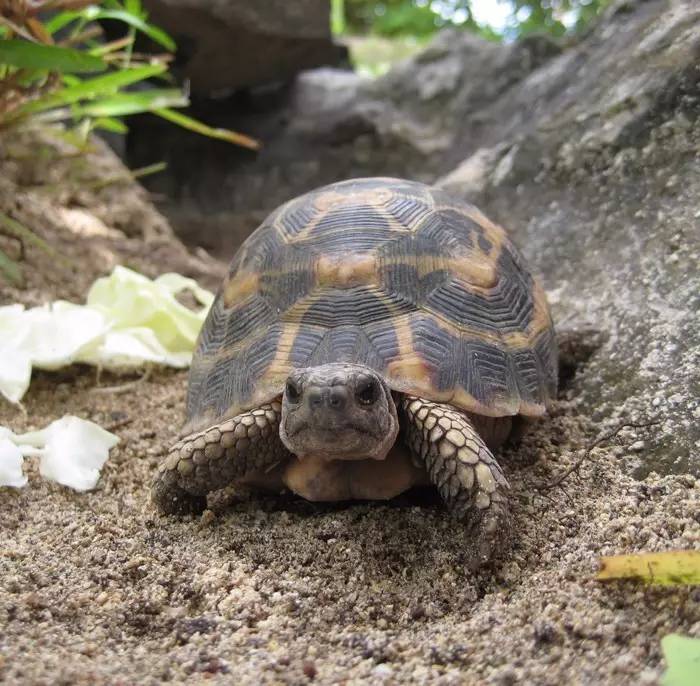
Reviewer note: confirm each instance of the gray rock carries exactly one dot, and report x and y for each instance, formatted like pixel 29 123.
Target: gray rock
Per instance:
pixel 331 124
pixel 589 156
pixel 226 44
pixel 601 191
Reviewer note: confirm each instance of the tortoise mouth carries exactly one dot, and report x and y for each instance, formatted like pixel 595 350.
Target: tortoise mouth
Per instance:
pixel 344 442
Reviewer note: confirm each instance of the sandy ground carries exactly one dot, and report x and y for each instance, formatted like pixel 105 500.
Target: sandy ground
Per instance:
pixel 99 589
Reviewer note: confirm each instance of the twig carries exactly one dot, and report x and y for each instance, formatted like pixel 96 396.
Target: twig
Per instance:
pixel 125 387
pixel 602 439
pixel 129 177
pixel 119 424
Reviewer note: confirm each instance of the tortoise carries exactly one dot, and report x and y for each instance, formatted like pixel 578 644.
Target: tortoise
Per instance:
pixel 371 335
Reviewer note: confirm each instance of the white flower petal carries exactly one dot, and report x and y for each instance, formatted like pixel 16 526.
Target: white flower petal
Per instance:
pixel 15 373
pixel 11 464
pixel 128 320
pixel 74 451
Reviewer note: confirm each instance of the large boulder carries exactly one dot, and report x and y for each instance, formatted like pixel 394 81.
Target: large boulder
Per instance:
pixel 227 44
pixel 600 186
pixel 329 125
pixel 588 155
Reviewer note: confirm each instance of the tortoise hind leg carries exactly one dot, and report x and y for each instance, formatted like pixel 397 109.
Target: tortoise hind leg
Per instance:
pixel 462 467
pixel 212 459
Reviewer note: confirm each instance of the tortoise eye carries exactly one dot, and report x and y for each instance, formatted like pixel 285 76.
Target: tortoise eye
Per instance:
pixel 292 392
pixel 367 392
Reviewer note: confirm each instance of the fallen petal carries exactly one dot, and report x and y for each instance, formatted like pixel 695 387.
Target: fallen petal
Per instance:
pixel 74 451
pixel 11 465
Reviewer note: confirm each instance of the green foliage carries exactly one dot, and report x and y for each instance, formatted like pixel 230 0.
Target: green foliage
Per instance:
pixel 405 17
pixel 22 54
pixel 59 74
pixel 45 44
pixel 682 656
pixel 422 18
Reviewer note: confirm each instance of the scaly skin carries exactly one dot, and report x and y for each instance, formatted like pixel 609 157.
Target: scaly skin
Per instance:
pixel 212 459
pixel 462 468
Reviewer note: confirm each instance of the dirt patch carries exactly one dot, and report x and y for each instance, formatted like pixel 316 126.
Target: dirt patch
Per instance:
pixel 99 589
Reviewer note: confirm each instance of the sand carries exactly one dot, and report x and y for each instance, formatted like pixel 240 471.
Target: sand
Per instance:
pixel 98 588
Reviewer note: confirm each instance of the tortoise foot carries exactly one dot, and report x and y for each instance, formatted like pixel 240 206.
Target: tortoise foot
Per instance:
pixel 170 498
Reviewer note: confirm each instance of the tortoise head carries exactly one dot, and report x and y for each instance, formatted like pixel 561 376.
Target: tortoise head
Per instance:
pixel 338 412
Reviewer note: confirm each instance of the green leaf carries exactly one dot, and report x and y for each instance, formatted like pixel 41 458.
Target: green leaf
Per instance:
pixel 201 128
pixel 25 55
pixel 92 88
pixel 670 568
pixel 153 32
pixel 682 655
pixel 134 7
pixel 10 270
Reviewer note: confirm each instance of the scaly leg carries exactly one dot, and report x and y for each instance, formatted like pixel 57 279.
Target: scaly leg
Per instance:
pixel 465 472
pixel 214 458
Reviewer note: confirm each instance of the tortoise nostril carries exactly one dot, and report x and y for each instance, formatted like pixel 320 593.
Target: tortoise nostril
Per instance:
pixel 315 397
pixel 337 397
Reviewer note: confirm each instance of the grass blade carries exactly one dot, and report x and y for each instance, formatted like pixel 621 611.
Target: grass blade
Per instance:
pixel 110 124
pixel 10 270
pixel 91 88
pixel 25 55
pixel 124 104
pixel 129 177
pixel 153 32
pixel 13 228
pixel 201 128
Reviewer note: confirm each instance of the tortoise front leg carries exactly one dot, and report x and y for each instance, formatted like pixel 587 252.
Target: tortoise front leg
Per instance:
pixel 465 472
pixel 212 459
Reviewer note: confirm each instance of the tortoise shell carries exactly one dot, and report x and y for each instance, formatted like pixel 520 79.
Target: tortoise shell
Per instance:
pixel 388 273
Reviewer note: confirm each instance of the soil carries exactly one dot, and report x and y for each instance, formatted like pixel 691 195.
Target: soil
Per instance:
pixel 98 588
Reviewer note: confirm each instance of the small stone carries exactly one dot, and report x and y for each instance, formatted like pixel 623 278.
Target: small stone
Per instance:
pixel 382 672
pixel 207 518
pixel 638 446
